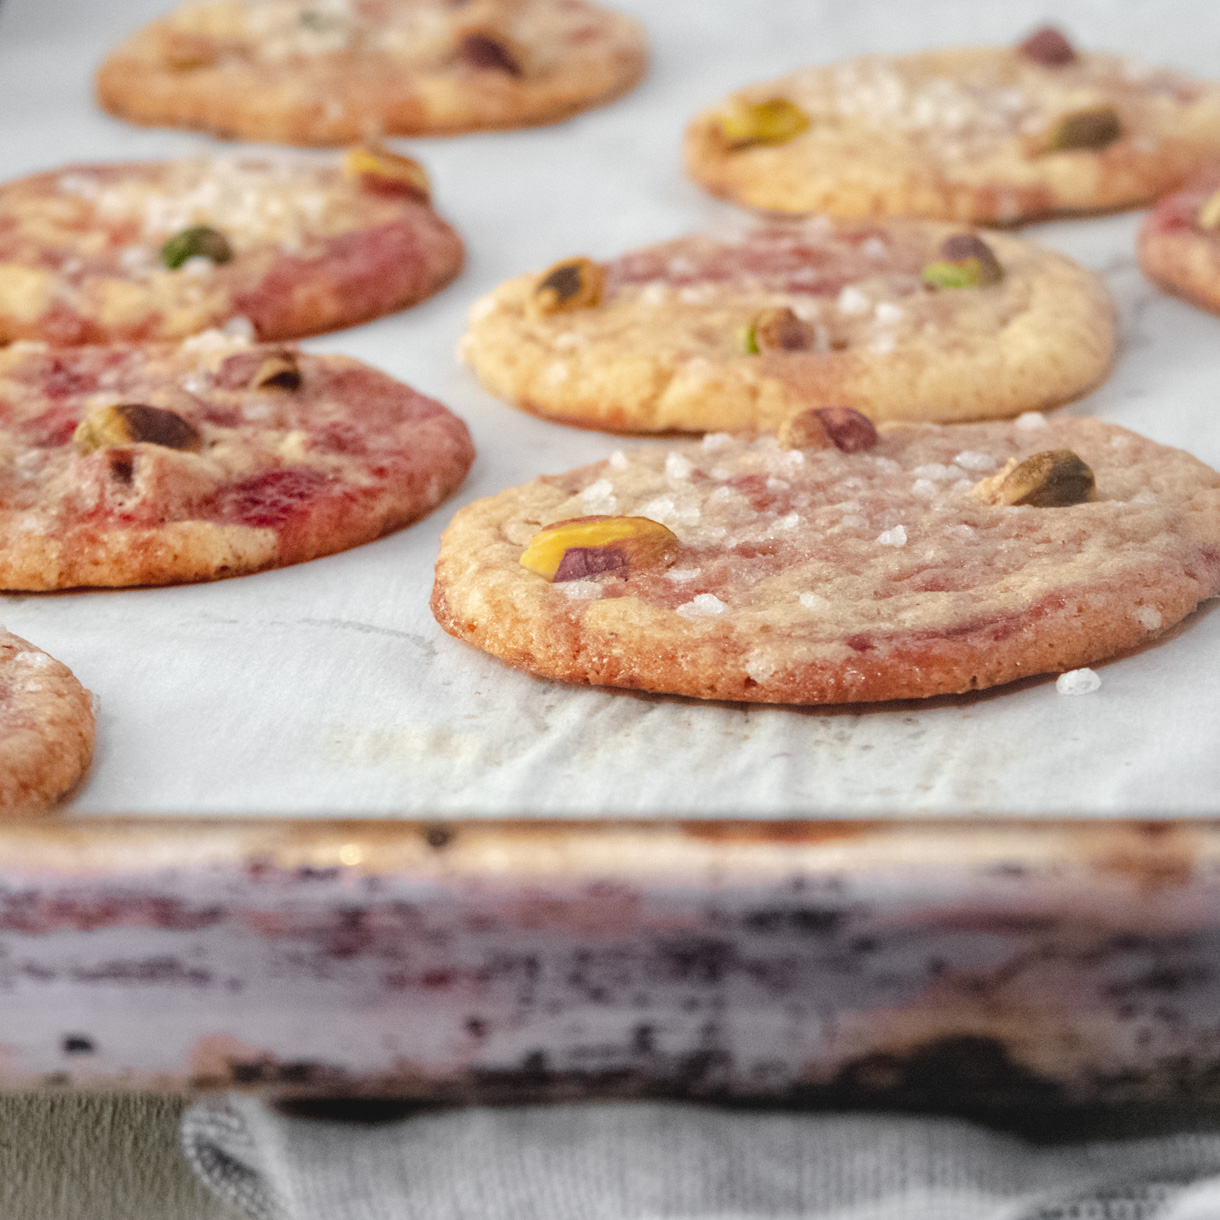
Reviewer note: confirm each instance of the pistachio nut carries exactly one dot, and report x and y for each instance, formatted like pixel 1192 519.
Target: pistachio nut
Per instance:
pixel 1049 47
pixel 490 52
pixel 575 283
pixel 183 51
pixel 773 121
pixel 1095 128
pixel 585 546
pixel 279 372
pixel 1209 213
pixel 133 423
pixel 387 171
pixel 777 330
pixel 966 261
pixel 844 428
pixel 199 241
pixel 1054 478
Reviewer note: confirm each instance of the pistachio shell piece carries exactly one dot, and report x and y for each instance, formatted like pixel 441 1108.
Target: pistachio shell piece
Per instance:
pixel 966 262
pixel 585 546
pixel 844 428
pixel 1094 128
pixel 132 423
pixel 280 372
pixel 779 330
pixel 575 283
pixel 384 170
pixel 773 121
pixel 1054 478
pixel 1049 47
pixel 1209 213
pixel 199 241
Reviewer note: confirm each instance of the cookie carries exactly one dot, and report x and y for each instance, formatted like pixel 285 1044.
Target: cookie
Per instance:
pixel 46 728
pixel 302 72
pixel 931 559
pixel 1179 242
pixel 987 135
pixel 899 319
pixel 160 465
pixel 157 251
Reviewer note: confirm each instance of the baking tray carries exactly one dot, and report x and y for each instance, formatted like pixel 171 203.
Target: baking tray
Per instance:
pixel 908 943
pixel 851 963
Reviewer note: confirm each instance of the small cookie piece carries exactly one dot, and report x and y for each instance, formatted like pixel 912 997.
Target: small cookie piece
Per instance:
pixel 332 72
pixel 842 574
pixel 155 251
pixel 899 319
pixel 1179 242
pixel 163 465
pixel 46 728
pixel 985 135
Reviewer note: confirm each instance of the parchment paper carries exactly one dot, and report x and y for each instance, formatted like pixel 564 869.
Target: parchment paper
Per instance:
pixel 328 689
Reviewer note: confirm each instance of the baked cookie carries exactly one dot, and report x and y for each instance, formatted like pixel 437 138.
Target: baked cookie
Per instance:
pixel 46 728
pixel 1179 242
pixel 159 465
pixel 900 319
pixel 988 135
pixel 334 71
pixel 848 567
pixel 157 251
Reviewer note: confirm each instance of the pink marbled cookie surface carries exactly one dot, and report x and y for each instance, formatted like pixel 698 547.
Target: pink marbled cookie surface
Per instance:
pixel 817 576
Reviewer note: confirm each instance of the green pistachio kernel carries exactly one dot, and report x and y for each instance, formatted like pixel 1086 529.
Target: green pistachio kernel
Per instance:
pixel 953 275
pixel 966 261
pixel 199 241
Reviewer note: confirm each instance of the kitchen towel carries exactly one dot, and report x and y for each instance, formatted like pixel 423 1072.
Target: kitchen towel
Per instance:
pixel 674 1161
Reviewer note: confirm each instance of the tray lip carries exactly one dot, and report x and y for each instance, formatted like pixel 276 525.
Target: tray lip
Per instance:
pixel 1165 854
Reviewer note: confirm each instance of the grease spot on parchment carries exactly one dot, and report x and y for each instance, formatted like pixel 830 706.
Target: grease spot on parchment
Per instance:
pixel 411 745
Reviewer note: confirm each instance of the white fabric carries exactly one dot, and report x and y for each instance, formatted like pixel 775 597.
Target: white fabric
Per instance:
pixel 669 1161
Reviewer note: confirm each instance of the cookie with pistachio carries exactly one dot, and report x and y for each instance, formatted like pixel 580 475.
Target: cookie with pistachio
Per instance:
pixel 160 465
pixel 155 251
pixel 986 135
pixel 333 71
pixel 838 563
pixel 1179 242
pixel 899 319
pixel 46 728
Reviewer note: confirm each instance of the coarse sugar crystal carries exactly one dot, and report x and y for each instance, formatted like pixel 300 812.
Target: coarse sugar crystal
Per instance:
pixel 852 301
pixel 970 459
pixel 703 605
pixel 1077 682
pixel 588 590
pixel 677 467
pixel 1149 617
pixel 1030 420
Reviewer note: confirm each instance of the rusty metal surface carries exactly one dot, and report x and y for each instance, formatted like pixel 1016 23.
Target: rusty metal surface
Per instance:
pixel 792 961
